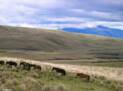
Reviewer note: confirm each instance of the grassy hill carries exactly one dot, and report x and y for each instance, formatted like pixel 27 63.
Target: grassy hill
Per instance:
pixel 58 46
pixel 36 39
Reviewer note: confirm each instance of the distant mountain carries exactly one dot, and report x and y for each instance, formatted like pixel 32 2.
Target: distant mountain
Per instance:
pixel 100 30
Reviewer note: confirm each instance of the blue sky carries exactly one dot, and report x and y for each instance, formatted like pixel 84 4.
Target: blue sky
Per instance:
pixel 58 14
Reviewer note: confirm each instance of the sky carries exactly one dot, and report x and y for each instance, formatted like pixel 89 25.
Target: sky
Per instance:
pixel 58 14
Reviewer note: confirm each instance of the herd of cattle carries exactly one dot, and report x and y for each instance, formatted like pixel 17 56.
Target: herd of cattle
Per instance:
pixel 28 66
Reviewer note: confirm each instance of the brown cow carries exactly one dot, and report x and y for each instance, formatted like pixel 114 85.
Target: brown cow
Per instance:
pixel 59 71
pixel 28 66
pixel 83 76
pixel 11 64
pixel 25 66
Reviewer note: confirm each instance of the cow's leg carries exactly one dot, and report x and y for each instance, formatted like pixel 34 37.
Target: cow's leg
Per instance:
pixel 11 64
pixel 22 65
pixel 8 65
pixel 25 66
pixel 37 67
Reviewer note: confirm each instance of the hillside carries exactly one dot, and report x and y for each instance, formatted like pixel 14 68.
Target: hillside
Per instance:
pixel 56 45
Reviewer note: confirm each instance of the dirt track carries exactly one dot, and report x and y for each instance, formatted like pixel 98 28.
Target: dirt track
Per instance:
pixel 107 72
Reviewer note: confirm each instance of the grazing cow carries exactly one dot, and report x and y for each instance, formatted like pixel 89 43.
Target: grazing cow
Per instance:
pixel 11 64
pixel 2 62
pixel 59 71
pixel 83 76
pixel 36 67
pixel 25 65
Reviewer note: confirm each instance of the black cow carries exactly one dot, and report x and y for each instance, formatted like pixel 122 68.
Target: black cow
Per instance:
pixel 11 64
pixel 36 67
pixel 59 71
pixel 2 62
pixel 25 65
pixel 83 76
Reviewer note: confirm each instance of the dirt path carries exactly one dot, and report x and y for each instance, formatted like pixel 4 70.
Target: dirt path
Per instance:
pixel 107 72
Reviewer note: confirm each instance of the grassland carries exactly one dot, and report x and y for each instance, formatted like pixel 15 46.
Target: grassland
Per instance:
pixel 49 45
pixel 57 47
pixel 22 80
pixel 60 47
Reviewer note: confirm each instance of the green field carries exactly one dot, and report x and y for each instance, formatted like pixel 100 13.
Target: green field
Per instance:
pixel 22 80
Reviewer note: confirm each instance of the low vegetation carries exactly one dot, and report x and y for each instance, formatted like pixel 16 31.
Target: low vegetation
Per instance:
pixel 22 80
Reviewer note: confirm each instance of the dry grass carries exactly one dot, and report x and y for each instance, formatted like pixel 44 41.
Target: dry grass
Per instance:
pixel 21 80
pixel 110 73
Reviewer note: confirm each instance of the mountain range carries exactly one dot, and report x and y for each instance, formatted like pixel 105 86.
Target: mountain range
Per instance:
pixel 99 30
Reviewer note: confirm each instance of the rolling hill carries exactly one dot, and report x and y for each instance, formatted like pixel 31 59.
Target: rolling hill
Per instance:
pixel 51 45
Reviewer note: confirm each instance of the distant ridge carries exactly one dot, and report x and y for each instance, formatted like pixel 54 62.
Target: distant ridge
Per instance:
pixel 100 30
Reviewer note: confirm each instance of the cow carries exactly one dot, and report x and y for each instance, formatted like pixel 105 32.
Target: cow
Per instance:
pixel 2 62
pixel 25 65
pixel 83 76
pixel 35 67
pixel 59 71
pixel 11 64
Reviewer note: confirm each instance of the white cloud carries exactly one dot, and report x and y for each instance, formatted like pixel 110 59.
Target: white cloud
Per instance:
pixel 117 25
pixel 89 24
pixel 98 14
pixel 114 2
pixel 25 13
pixel 40 3
pixel 66 19
pixel 22 11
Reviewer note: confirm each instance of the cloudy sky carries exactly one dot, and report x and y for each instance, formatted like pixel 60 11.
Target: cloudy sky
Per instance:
pixel 57 14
